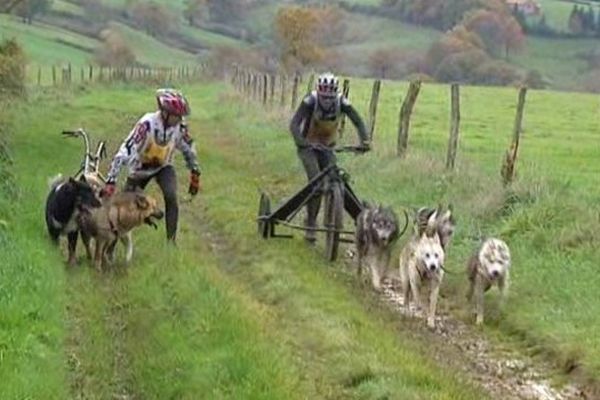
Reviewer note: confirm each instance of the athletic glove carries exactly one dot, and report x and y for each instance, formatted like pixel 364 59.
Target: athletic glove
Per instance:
pixel 109 189
pixel 194 182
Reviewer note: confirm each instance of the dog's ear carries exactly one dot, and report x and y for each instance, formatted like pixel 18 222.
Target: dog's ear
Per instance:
pixel 142 202
pixel 82 178
pixel 430 227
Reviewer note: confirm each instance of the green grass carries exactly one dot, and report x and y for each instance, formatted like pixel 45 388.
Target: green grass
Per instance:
pixel 41 42
pixel 149 51
pixel 210 38
pixel 174 5
pixel 226 315
pixel 67 7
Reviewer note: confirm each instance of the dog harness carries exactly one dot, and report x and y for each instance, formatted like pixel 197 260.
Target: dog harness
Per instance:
pixel 324 125
pixel 155 155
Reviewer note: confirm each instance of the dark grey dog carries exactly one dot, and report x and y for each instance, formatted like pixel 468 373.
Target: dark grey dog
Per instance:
pixel 376 232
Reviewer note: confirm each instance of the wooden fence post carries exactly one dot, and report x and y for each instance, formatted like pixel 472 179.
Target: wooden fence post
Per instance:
pixel 454 126
pixel 54 75
pixel 265 88
pixel 405 113
pixel 508 167
pixel 39 76
pixel 373 107
pixel 345 94
pixel 254 87
pixel 272 94
pixel 282 81
pixel 295 91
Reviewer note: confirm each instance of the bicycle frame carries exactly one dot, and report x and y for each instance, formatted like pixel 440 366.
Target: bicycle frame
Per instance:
pixel 91 162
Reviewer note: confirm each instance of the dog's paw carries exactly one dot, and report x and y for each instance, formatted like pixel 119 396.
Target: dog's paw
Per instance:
pixel 431 323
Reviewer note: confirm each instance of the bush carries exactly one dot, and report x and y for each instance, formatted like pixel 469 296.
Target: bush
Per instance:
pixel 496 72
pixel 114 50
pixel 459 67
pixel 12 68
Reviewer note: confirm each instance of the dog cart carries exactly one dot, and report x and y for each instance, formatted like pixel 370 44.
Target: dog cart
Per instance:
pixel 333 184
pixel 90 165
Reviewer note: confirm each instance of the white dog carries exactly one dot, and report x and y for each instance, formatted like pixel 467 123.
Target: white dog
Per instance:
pixel 489 266
pixel 422 262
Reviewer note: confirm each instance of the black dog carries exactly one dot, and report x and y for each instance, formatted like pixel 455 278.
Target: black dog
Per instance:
pixel 68 198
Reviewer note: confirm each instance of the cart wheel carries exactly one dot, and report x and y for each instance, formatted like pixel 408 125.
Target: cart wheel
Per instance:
pixel 264 209
pixel 334 212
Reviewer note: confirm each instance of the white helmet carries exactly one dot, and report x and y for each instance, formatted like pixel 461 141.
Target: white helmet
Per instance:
pixel 327 84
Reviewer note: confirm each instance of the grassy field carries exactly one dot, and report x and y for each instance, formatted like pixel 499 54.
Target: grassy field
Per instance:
pixel 46 44
pixel 225 315
pixel 150 51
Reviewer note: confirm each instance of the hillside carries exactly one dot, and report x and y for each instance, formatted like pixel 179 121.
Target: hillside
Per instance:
pixel 62 36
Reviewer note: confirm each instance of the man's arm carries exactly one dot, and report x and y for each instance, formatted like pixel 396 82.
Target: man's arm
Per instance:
pixel 130 146
pixel 185 144
pixel 300 118
pixel 351 112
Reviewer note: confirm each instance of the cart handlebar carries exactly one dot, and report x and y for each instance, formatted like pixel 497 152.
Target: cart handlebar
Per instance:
pixel 340 149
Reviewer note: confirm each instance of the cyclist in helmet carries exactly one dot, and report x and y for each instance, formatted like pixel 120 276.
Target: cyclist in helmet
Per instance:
pixel 316 124
pixel 148 152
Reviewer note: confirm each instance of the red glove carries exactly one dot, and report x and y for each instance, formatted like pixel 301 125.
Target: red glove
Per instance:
pixel 109 190
pixel 194 183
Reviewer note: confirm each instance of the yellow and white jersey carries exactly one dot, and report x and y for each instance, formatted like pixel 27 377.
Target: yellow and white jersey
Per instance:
pixel 150 147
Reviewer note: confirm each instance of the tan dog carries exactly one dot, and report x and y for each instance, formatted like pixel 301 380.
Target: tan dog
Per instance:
pixel 489 266
pixel 422 262
pixel 115 220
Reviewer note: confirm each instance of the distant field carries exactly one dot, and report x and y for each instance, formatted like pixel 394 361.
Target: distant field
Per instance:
pixel 210 38
pixel 41 42
pixel 68 7
pixel 150 51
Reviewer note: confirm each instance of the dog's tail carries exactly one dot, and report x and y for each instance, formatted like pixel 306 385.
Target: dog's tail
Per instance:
pixel 55 181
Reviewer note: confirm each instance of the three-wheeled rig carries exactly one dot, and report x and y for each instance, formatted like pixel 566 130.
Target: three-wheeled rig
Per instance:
pixel 333 184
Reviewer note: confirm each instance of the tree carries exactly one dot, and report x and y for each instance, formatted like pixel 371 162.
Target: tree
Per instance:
pixel 499 32
pixel 114 50
pixel 154 18
pixel 590 20
pixel 297 34
pixel 575 21
pixel 28 9
pixel 382 61
pixel 331 24
pixel 196 10
pixel 12 68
